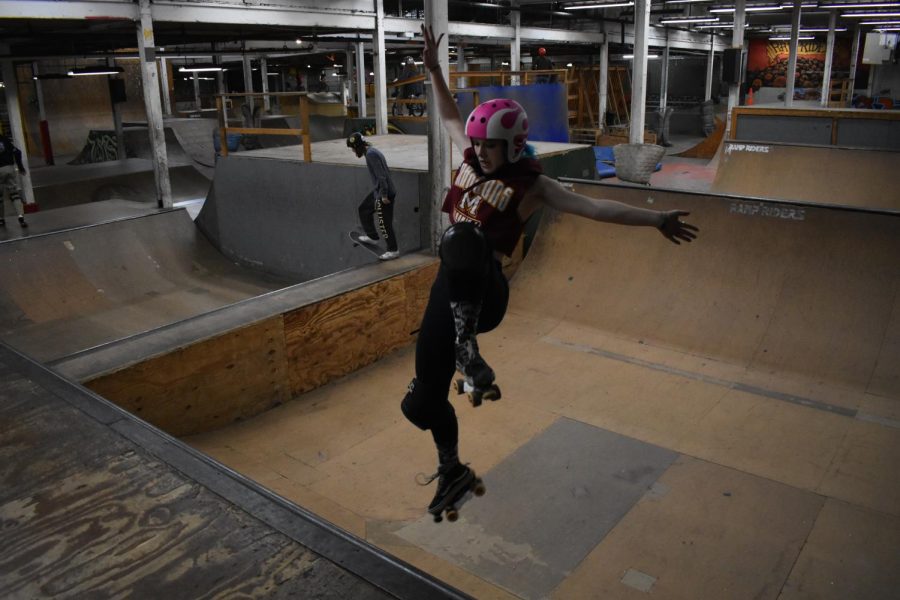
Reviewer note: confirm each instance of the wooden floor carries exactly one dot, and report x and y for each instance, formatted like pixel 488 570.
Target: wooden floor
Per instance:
pixel 96 504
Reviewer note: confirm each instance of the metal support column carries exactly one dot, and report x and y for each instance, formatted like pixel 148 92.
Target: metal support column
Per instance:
pixel 264 78
pixel 854 59
pixel 379 59
pixel 639 73
pixel 361 80
pixel 164 86
pixel 792 60
pixel 737 41
pixel 515 46
pixel 152 106
pixel 436 17
pixel 710 62
pixel 603 92
pixel 829 58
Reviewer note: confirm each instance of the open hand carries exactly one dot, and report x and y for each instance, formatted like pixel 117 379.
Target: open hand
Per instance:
pixel 430 52
pixel 675 229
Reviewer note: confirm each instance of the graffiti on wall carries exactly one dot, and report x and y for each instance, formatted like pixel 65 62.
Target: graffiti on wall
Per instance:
pixel 101 146
pixel 767 64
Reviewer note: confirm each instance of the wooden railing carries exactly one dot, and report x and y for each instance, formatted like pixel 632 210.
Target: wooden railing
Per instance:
pixel 223 102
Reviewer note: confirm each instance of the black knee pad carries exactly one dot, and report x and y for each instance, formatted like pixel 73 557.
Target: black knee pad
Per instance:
pixel 419 409
pixel 463 247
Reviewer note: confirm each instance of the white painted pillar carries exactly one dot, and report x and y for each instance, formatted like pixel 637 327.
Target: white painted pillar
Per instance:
pixel 437 18
pixel 737 41
pixel 515 46
pixel 639 72
pixel 152 105
pixel 664 79
pixel 361 79
pixel 854 58
pixel 829 57
pixel 604 84
pixel 791 74
pixel 195 79
pixel 16 125
pixel 379 59
pixel 248 82
pixel 264 77
pixel 462 65
pixel 164 86
pixel 710 62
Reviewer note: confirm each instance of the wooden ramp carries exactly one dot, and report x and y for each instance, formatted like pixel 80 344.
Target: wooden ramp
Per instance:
pixel 96 504
pixel 708 146
pixel 821 174
pixel 69 290
pixel 763 356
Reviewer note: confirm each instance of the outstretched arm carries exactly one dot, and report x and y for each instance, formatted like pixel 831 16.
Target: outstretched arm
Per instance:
pixel 550 192
pixel 446 106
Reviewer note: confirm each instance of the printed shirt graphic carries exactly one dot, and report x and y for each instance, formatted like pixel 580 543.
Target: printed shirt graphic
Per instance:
pixel 491 204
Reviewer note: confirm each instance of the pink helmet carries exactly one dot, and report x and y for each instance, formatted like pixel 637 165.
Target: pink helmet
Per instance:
pixel 500 119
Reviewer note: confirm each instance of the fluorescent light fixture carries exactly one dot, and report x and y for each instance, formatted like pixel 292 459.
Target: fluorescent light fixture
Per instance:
pixel 880 23
pixel 298 41
pixel 787 38
pixel 802 5
pixel 886 29
pixel 859 5
pixel 717 26
pixel 689 20
pixel 42 76
pixel 758 8
pixel 871 14
pixel 597 5
pixel 820 29
pixel 685 1
pixel 88 71
pixel 197 69
pixel 569 65
pixel 631 56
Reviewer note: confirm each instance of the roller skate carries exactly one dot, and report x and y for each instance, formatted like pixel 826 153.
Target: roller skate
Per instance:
pixel 478 377
pixel 456 485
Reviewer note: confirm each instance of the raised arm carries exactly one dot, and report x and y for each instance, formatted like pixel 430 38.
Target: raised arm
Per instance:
pixel 447 109
pixel 550 192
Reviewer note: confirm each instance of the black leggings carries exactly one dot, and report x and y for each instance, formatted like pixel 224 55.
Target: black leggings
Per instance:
pixel 427 404
pixel 372 212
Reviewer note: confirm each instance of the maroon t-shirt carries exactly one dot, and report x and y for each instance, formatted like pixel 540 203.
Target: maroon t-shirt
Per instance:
pixel 492 203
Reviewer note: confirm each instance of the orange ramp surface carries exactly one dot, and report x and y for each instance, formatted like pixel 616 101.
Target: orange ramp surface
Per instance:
pixel 820 174
pixel 764 355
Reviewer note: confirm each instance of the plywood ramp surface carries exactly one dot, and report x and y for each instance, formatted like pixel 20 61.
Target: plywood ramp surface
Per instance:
pixel 842 176
pixel 776 288
pixel 67 291
pixel 764 355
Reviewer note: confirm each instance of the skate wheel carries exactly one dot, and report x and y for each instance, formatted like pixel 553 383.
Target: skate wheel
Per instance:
pixel 475 399
pixel 478 489
pixel 438 518
pixel 460 386
pixel 492 394
pixel 452 515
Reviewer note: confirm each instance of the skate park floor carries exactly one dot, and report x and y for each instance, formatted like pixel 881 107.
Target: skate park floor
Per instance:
pixel 666 427
pixel 616 466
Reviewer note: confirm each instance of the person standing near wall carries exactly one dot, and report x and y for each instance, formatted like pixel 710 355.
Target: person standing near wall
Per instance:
pixel 11 168
pixel 543 63
pixel 378 205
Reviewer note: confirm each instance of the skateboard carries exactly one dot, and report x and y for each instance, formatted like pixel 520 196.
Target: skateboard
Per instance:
pixel 477 395
pixel 451 509
pixel 374 249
